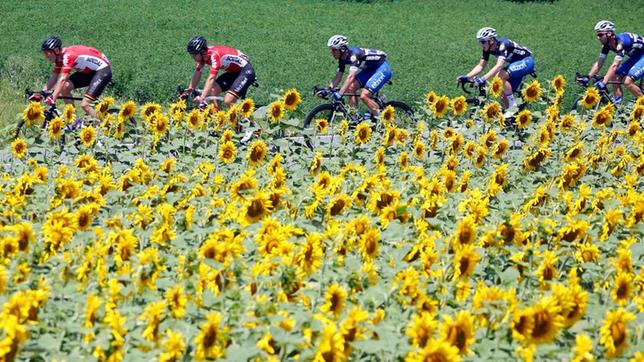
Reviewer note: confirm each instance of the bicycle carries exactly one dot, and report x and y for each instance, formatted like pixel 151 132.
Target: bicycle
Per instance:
pixel 604 95
pixel 337 110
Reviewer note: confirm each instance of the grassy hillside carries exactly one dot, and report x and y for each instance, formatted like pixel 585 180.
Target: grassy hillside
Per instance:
pixel 429 43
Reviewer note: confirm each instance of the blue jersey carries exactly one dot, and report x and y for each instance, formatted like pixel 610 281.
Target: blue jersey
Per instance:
pixel 508 50
pixel 362 58
pixel 627 44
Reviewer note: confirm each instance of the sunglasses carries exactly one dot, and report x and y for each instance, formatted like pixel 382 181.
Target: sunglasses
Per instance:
pixel 601 35
pixel 482 42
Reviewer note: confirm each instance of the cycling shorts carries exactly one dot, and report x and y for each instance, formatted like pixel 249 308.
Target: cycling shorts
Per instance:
pixel 237 83
pixel 633 67
pixel 95 81
pixel 518 70
pixel 373 79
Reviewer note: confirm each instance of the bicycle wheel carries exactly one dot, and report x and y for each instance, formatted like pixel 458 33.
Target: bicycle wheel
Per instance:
pixel 403 115
pixel 333 115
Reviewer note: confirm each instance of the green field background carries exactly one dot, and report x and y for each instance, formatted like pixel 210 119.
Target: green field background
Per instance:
pixel 429 43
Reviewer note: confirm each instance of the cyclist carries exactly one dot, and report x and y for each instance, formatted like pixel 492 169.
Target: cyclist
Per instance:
pixel 368 69
pixel 238 74
pixel 92 68
pixel 622 44
pixel 514 62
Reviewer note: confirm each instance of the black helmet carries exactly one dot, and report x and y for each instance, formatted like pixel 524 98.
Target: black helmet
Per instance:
pixel 50 43
pixel 197 45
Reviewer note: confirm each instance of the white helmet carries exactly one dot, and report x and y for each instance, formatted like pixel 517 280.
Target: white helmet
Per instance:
pixel 486 33
pixel 604 26
pixel 337 42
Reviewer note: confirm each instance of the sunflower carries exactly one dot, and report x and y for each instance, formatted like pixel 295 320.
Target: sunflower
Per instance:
pixel 532 92
pixel 69 113
pixel 291 99
pixel 623 289
pixel 583 351
pixel 459 332
pixel 362 133
pixel 370 244
pixel 421 329
pixel 491 111
pixel 160 125
pixel 276 111
pixel 33 114
pixel 638 112
pixel 558 83
pixel 614 332
pixel 334 300
pixel 256 153
pixel 227 136
pixel 127 111
pixel 465 260
pixel 247 107
pixel 430 98
pixel 500 149
pixel 177 110
pixel 469 123
pixel 590 98
pixel 19 148
pixel 465 233
pixel 633 129
pixel 195 119
pixel 322 125
pixel 88 136
pixel 522 324
pixel 458 105
pixel 523 119
pixel 496 87
pixel 440 107
pixel 103 106
pixel 148 110
pixel 56 128
pixel 211 340
pixel 435 351
pixel 602 117
pixel 419 149
pixel 227 152
pixel 316 164
pixel 388 114
pixel 547 321
pixel 574 152
pixel 480 156
pixel 338 204
pixel 257 207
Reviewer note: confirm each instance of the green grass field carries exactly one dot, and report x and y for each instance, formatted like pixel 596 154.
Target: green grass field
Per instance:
pixel 429 43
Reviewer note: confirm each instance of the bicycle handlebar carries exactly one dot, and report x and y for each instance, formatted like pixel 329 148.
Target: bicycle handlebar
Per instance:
pixel 44 93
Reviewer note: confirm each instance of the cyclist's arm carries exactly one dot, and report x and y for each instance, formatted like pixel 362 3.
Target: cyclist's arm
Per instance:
pixel 59 85
pixel 612 70
pixel 207 87
pixel 495 69
pixel 477 68
pixel 596 67
pixel 350 78
pixel 336 80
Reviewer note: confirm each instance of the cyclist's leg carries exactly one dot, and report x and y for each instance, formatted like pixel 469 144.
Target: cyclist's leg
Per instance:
pixel 377 80
pixel 635 73
pixel 352 88
pixel 222 84
pixel 76 81
pixel 100 80
pixel 517 71
pixel 507 97
pixel 240 85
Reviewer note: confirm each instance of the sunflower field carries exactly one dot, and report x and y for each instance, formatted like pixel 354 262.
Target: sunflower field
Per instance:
pixel 154 234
